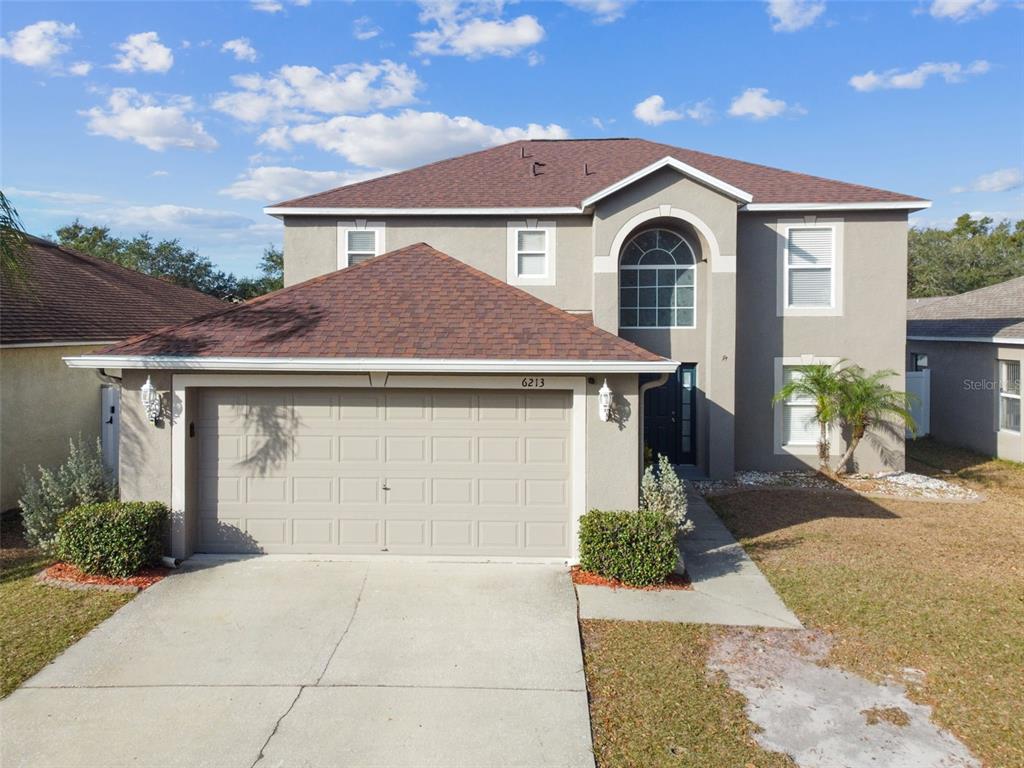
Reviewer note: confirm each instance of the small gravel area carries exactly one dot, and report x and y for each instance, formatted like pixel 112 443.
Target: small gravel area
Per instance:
pixel 907 485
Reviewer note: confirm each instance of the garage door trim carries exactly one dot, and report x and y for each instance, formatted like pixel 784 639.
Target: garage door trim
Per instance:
pixel 182 416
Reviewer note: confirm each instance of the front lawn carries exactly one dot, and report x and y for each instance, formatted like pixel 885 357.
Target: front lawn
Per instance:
pixel 937 587
pixel 38 622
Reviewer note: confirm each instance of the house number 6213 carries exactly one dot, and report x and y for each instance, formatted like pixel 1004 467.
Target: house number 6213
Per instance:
pixel 532 383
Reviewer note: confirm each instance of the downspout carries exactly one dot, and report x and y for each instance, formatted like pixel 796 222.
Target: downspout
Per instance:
pixel 658 382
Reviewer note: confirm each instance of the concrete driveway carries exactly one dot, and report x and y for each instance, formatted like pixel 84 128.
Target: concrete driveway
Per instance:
pixel 269 662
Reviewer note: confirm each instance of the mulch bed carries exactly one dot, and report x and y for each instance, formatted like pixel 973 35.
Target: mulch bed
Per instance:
pixel 63 572
pixel 675 581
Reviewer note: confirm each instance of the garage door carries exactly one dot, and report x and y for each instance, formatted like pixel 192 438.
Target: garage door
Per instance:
pixel 439 472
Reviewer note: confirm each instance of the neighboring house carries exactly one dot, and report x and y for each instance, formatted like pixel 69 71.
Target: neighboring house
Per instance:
pixel 419 403
pixel 68 303
pixel 973 346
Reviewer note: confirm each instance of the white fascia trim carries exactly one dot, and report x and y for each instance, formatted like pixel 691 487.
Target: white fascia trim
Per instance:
pixel 27 344
pixel 977 339
pixel 898 205
pixel 397 365
pixel 685 169
pixel 422 211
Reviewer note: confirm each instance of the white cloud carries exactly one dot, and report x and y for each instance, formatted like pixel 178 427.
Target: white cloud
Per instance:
pixel 80 68
pixel 145 52
pixel 38 45
pixel 701 112
pixel 794 15
pixel 160 173
pixel 276 182
pixel 293 91
pixel 950 71
pixel 407 139
pixel 755 104
pixel 474 30
pixel 139 117
pixel 168 217
pixel 961 10
pixel 241 48
pixel 267 6
pixel 652 111
pixel 1002 180
pixel 78 198
pixel 363 28
pixel 603 11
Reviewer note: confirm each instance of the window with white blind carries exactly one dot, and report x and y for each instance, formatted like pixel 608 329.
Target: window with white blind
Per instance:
pixel 359 243
pixel 1009 395
pixel 799 427
pixel 809 279
pixel 531 252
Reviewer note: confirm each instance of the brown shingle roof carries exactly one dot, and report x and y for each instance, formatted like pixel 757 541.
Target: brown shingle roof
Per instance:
pixel 993 312
pixel 415 302
pixel 502 178
pixel 67 295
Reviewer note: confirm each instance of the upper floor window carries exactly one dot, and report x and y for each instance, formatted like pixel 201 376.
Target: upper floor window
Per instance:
pixel 657 286
pixel 1009 395
pixel 809 265
pixel 531 252
pixel 359 243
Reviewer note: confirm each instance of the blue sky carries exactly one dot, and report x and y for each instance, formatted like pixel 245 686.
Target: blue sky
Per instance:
pixel 186 118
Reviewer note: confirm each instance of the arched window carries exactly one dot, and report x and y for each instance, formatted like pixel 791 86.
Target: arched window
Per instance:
pixel 656 281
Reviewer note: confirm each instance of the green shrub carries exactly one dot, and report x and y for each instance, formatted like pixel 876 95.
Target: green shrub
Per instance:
pixel 114 538
pixel 80 480
pixel 637 548
pixel 662 491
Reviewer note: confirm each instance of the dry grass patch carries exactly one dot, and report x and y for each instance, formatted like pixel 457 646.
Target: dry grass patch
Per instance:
pixel 937 587
pixel 38 622
pixel 653 704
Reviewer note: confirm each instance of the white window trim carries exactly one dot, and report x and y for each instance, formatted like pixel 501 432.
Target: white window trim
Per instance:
pixel 512 261
pixel 344 227
pixel 1000 395
pixel 783 228
pixel 696 296
pixel 797 450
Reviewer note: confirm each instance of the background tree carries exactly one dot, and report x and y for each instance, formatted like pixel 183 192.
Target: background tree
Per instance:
pixel 972 254
pixel 271 275
pixel 13 244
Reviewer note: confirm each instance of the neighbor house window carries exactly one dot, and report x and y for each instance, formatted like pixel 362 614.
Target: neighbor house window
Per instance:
pixel 657 285
pixel 531 252
pixel 1009 395
pixel 809 261
pixel 357 243
pixel 799 426
pixel 918 361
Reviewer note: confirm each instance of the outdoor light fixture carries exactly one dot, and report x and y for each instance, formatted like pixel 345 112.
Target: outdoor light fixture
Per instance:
pixel 151 401
pixel 604 401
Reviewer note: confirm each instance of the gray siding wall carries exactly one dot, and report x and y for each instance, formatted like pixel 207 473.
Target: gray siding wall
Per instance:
pixel 965 395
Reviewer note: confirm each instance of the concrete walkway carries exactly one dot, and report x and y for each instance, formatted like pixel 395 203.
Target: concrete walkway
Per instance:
pixel 264 662
pixel 728 588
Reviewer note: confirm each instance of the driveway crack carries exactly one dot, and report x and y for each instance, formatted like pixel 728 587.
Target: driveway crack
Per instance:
pixel 348 626
pixel 277 725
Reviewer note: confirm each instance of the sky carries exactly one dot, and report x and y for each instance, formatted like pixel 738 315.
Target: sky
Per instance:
pixel 184 119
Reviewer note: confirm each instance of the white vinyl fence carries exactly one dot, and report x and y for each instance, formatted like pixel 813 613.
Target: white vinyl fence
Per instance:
pixel 919 386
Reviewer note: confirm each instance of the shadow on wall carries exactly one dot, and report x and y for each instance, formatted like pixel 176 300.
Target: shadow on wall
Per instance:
pixel 223 537
pixel 621 411
pixel 275 427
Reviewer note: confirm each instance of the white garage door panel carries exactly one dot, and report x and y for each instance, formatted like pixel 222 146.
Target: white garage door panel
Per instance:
pixel 448 472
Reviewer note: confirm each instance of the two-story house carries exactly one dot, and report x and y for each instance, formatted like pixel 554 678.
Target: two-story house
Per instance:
pixel 470 354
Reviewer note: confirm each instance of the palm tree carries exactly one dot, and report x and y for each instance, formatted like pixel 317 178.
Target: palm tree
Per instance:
pixel 867 402
pixel 13 244
pixel 823 384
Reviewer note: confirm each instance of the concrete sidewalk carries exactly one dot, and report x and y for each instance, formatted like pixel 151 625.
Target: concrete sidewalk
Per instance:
pixel 262 662
pixel 728 588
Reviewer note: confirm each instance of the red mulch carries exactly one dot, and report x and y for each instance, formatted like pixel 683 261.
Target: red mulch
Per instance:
pixel 147 577
pixel 675 581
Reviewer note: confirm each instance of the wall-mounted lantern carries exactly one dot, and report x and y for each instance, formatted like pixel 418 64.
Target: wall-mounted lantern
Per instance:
pixel 604 401
pixel 151 401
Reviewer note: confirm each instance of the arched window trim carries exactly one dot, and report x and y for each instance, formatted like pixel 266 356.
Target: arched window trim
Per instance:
pixel 658 295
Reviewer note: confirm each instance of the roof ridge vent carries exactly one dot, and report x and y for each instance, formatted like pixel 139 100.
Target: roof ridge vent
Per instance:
pixel 537 165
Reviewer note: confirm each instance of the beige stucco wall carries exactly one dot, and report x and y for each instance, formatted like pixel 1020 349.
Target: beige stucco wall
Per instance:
pixel 612 475
pixel 870 332
pixel 311 249
pixel 965 395
pixel 43 404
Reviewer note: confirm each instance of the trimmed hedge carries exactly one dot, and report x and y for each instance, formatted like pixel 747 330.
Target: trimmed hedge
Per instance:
pixel 114 538
pixel 637 548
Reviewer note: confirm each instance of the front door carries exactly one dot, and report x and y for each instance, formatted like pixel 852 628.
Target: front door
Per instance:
pixel 670 416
